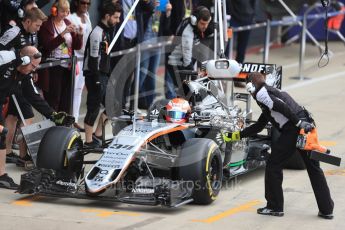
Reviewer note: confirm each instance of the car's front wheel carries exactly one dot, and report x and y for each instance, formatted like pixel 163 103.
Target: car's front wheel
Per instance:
pixel 58 150
pixel 200 162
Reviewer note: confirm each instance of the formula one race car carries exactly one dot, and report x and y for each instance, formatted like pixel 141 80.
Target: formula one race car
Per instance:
pixel 174 156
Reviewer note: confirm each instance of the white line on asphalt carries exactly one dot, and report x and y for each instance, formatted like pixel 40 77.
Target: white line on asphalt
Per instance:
pixel 308 61
pixel 313 81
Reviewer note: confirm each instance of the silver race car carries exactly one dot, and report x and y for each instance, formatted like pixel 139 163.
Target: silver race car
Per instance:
pixel 154 160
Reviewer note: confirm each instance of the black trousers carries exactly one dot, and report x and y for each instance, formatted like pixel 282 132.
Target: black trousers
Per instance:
pixel 59 95
pixel 282 150
pixel 27 86
pixel 95 97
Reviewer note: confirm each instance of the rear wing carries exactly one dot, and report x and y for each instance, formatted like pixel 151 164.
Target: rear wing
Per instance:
pixel 274 73
pixel 230 70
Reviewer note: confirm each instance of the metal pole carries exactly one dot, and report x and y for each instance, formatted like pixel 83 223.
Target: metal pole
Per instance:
pixel 221 32
pixel 215 30
pixel 302 49
pixel 267 42
pixel 287 8
pixel 73 63
pixel 225 22
pixel 122 26
pixel 136 89
pixel 305 32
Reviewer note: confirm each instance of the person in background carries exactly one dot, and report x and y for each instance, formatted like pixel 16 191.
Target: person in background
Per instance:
pixel 181 9
pixel 132 34
pixel 150 58
pixel 80 17
pixel 16 37
pixel 14 10
pixel 58 38
pixel 242 13
pixel 191 31
pixel 97 70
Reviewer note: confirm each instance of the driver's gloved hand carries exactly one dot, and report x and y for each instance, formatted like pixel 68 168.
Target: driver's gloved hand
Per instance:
pixel 306 126
pixel 231 136
pixel 62 119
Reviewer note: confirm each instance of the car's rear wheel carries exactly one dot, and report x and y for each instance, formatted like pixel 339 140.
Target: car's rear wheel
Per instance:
pixel 58 150
pixel 200 162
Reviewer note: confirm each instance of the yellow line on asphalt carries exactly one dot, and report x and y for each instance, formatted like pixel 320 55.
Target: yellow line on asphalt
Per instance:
pixel 328 143
pixel 335 172
pixel 27 201
pixel 242 208
pixel 105 213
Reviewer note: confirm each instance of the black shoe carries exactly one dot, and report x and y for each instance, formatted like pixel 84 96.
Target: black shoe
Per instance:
pixel 15 146
pixel 326 216
pixel 270 212
pixel 97 139
pixel 7 182
pixel 92 145
pixel 12 158
pixel 21 160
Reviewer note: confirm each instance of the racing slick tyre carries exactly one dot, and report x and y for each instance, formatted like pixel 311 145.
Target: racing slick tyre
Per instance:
pixel 52 152
pixel 296 161
pixel 200 162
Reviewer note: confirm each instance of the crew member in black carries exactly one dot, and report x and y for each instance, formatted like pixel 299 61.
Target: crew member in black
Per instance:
pixel 13 68
pixel 288 117
pixel 97 70
pixel 18 36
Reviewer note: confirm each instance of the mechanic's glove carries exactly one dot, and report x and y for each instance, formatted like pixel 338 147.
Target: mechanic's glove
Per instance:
pixel 231 136
pixel 305 125
pixel 62 119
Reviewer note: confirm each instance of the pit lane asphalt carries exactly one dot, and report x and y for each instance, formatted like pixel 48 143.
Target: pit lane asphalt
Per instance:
pixel 323 94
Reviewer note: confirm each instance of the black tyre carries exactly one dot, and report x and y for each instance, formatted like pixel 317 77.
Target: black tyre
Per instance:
pixel 296 161
pixel 200 162
pixel 52 152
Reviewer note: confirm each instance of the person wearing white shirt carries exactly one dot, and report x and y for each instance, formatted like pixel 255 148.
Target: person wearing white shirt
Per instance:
pixel 80 17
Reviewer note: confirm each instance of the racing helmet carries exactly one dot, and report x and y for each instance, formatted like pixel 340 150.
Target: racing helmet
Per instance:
pixel 177 110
